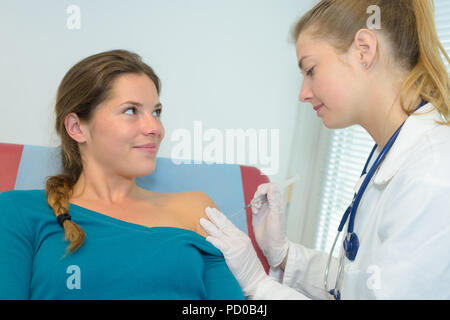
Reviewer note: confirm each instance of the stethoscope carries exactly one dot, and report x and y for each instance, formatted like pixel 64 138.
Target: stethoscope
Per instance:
pixel 351 241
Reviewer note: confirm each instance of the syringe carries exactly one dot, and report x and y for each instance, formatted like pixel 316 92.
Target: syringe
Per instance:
pixel 263 197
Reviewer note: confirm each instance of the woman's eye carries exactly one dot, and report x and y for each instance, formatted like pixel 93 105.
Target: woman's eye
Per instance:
pixel 130 111
pixel 310 72
pixel 157 113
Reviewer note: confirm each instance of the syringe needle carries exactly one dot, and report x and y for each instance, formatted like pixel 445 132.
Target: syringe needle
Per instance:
pixel 263 197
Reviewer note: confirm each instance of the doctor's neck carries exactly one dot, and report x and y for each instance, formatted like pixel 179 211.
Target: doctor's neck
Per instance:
pixel 384 113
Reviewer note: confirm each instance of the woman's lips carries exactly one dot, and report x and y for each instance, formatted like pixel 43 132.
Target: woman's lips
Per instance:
pixel 149 147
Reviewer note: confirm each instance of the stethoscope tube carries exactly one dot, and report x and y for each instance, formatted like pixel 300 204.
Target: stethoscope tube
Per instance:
pixel 351 241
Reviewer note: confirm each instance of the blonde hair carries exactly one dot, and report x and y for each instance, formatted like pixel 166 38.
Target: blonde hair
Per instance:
pixel 410 29
pixel 83 88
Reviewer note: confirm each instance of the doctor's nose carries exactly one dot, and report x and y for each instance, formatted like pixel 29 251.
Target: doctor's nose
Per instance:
pixel 306 94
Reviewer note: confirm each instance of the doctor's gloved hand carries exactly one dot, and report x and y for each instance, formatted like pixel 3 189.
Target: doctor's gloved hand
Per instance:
pixel 268 221
pixel 237 249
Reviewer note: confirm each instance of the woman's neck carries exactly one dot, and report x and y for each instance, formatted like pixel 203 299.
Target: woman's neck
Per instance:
pixel 97 185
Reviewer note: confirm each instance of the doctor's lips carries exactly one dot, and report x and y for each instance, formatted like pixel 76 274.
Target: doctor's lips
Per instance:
pixel 149 147
pixel 318 107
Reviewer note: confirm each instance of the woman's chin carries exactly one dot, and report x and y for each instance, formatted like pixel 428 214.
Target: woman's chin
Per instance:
pixel 144 170
pixel 149 170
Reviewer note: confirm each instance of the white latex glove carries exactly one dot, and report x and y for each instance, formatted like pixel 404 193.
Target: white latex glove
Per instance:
pixel 268 221
pixel 237 249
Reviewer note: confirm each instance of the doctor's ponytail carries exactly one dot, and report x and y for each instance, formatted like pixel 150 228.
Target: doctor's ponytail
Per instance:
pixel 410 29
pixel 429 75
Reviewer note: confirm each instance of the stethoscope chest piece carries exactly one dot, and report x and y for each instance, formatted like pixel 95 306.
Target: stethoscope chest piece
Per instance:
pixel 335 294
pixel 351 246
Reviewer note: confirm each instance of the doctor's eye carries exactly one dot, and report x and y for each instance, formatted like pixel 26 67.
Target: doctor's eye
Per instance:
pixel 310 72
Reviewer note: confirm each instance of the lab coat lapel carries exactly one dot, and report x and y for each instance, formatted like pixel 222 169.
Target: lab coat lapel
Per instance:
pixel 412 131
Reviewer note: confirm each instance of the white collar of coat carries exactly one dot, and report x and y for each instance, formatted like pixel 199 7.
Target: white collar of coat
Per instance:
pixel 414 128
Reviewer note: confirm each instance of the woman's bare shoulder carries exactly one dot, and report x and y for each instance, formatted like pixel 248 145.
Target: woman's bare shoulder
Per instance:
pixel 191 206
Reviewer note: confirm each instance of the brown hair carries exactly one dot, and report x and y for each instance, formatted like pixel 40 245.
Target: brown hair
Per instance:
pixel 409 27
pixel 83 88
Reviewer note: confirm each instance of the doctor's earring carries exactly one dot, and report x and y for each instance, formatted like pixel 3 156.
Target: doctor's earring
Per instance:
pixel 364 65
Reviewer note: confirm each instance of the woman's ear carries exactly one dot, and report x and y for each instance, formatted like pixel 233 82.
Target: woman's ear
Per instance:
pixel 365 47
pixel 74 128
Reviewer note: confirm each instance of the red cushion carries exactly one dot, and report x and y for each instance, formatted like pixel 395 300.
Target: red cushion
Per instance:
pixel 10 155
pixel 251 179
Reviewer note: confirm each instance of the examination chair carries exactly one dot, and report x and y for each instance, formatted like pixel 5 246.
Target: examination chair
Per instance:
pixel 24 167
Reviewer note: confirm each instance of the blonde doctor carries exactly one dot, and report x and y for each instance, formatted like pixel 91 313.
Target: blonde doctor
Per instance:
pixel 392 81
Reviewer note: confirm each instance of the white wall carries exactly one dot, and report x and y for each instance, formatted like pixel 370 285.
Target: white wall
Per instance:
pixel 228 63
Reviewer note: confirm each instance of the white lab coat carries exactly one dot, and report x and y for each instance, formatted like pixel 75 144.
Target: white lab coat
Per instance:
pixel 403 225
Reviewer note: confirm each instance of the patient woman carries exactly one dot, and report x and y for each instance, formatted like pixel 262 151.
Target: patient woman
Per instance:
pixel 124 242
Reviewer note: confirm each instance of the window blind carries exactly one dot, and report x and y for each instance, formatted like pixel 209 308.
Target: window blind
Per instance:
pixel 346 155
pixel 442 19
pixel 347 152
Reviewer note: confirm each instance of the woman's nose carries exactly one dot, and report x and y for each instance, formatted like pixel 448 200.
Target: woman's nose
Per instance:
pixel 305 92
pixel 151 125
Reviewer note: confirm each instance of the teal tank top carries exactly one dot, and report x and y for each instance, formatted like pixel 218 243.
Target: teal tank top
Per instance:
pixel 118 260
